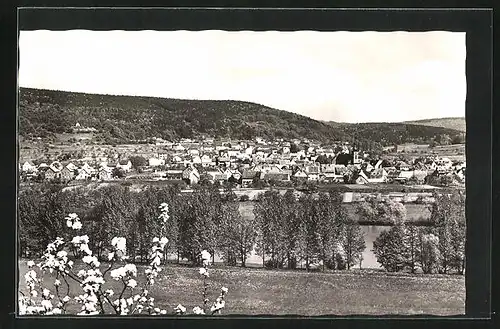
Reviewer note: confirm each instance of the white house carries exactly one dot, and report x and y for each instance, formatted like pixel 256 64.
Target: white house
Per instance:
pixel 155 162
pixel 28 167
pixel 126 165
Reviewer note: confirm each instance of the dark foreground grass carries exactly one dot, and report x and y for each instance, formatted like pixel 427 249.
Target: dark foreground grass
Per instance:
pixel 258 291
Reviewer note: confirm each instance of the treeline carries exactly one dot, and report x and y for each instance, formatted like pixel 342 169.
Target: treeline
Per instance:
pixel 436 248
pixel 312 230
pixel 285 229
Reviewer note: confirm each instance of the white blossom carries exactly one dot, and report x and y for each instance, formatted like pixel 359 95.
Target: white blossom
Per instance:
pixel 31 264
pixel 46 304
pixel 85 248
pixel 56 311
pixel 179 309
pixel 111 255
pixel 45 292
pixel 198 310
pixel 132 283
pixel 224 290
pixel 91 260
pixel 77 225
pixel 66 299
pixel 119 244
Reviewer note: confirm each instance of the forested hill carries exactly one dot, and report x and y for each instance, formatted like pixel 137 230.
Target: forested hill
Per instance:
pixel 457 123
pixel 395 133
pixel 124 118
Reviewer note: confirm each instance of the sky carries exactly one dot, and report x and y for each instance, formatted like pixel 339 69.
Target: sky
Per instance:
pixel 331 76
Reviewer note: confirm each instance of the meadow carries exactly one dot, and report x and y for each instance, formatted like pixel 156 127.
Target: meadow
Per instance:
pixel 285 292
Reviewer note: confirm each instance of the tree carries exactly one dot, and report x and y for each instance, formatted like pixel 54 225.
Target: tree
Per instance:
pixel 269 215
pixel 294 148
pixel 199 218
pixel 353 243
pixel 412 246
pixel 238 233
pixel 29 211
pixel 118 173
pixel 389 249
pixel 448 218
pixel 386 212
pixel 291 223
pixel 138 161
pixel 429 252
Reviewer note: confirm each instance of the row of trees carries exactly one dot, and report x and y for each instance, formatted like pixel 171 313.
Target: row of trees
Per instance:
pixel 311 228
pixel 439 247
pixel 285 229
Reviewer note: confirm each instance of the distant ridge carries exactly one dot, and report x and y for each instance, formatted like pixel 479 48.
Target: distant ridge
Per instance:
pixel 120 119
pixel 456 123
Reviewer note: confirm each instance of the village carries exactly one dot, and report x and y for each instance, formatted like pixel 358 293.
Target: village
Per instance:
pixel 254 163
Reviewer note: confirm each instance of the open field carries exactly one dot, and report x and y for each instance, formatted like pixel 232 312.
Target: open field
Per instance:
pixel 257 291
pixel 453 152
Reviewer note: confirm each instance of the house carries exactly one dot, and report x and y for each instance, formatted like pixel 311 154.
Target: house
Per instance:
pixel 126 165
pixel 177 159
pixel 419 176
pixel 179 148
pixel 401 165
pixel 104 173
pixel 206 160
pixel 223 161
pixel 67 174
pixel 404 176
pixel 52 173
pixel 248 176
pixel 392 174
pixel 312 173
pixel 71 166
pixel 56 166
pixel 361 178
pixel 88 169
pixel 83 174
pixel 277 176
pixel 235 174
pixel 173 175
pixel 378 175
pixel 191 175
pixel 196 159
pixel 300 175
pixel 156 162
pixel 215 176
pixel 28 166
pixel 369 167
pixel 333 173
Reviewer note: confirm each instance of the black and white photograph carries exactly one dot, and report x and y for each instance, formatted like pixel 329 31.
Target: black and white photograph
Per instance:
pixel 219 173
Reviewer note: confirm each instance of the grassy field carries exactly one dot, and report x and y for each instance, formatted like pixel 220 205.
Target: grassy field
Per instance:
pixel 258 291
